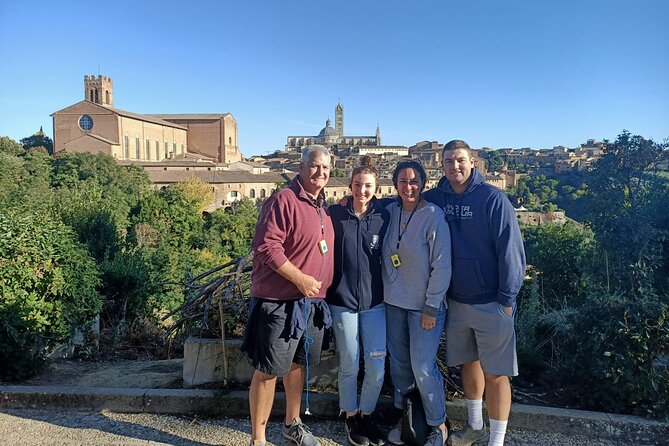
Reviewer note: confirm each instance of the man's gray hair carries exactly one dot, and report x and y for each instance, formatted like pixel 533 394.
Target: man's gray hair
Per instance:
pixel 309 151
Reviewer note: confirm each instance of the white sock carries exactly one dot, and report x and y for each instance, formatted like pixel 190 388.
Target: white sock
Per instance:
pixel 475 413
pixel 497 432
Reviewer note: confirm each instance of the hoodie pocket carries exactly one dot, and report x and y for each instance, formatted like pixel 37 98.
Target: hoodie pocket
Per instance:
pixel 467 278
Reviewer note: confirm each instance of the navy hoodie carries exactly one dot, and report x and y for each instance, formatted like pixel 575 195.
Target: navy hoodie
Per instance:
pixel 357 282
pixel 488 255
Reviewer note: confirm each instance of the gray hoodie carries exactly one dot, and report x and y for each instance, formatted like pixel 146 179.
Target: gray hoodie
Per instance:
pixel 422 280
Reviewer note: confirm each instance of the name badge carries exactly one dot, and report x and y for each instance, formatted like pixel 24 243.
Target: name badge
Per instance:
pixel 322 246
pixel 395 259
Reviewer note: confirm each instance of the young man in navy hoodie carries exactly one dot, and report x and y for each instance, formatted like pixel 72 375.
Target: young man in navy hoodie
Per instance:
pixel 488 264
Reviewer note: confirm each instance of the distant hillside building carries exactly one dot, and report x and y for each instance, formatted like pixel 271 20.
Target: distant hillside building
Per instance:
pixel 94 125
pixel 331 136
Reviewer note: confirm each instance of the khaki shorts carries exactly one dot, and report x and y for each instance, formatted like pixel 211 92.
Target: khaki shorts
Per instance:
pixel 483 332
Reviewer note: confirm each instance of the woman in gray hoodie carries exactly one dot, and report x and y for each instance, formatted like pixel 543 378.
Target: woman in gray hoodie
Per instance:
pixel 416 272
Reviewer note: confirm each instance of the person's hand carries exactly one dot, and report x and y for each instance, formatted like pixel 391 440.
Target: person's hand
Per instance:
pixel 508 310
pixel 344 200
pixel 309 286
pixel 428 322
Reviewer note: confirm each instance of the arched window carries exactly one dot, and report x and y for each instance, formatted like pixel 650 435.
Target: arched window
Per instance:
pixel 91 94
pixel 262 193
pixel 252 193
pixel 106 96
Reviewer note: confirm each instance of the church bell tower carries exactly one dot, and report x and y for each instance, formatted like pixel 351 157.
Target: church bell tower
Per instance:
pixel 99 89
pixel 339 120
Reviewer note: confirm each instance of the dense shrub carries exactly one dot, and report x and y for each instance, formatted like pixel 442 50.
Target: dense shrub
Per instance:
pixel 609 347
pixel 562 258
pixel 229 232
pixel 47 288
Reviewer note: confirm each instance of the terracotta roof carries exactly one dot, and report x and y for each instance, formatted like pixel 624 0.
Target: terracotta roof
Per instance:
pixel 216 176
pixel 251 163
pixel 171 163
pixel 148 118
pixel 103 139
pixel 189 116
pixel 338 182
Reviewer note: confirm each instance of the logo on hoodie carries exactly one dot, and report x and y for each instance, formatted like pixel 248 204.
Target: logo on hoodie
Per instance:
pixel 375 242
pixel 457 211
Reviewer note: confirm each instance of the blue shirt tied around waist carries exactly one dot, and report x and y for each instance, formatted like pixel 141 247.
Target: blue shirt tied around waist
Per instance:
pixel 296 321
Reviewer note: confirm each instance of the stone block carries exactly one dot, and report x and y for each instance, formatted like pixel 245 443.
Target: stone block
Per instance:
pixel 203 363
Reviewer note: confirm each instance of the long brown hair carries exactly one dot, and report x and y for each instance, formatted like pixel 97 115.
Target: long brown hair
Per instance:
pixel 365 167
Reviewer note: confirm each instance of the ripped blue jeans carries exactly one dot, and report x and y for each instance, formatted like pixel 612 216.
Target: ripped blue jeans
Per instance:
pixel 350 328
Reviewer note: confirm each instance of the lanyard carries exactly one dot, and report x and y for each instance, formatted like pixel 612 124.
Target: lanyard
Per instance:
pixel 320 216
pixel 319 208
pixel 401 232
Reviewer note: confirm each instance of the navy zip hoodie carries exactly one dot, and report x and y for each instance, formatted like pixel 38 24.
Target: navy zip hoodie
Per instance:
pixel 488 254
pixel 358 282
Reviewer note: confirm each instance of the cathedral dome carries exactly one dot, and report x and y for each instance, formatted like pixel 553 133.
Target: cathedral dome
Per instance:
pixel 327 130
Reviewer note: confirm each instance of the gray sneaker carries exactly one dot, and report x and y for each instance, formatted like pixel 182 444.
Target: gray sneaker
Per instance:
pixel 468 436
pixel 436 438
pixel 300 434
pixel 395 434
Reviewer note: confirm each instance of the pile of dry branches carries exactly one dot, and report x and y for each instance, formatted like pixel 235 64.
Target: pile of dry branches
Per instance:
pixel 214 297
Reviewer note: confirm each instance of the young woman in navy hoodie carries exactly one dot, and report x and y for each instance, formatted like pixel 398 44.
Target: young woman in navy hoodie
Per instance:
pixel 356 303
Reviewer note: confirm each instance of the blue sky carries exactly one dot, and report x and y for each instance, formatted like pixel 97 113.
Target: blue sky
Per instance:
pixel 494 73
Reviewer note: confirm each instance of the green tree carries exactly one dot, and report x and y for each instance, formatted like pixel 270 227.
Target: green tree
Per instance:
pixel 95 196
pixel 229 233
pixel 47 289
pixel 495 160
pixel 8 145
pixel 609 346
pixel 174 214
pixel 627 202
pixel 167 236
pixel 572 189
pixel 24 182
pixel 560 255
pixel 39 139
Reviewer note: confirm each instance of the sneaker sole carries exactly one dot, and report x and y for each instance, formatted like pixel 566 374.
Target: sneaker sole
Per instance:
pixel 480 442
pixel 288 437
pixel 350 440
pixel 292 440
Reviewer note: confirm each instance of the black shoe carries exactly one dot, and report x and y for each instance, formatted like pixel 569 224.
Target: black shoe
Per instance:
pixel 372 431
pixel 356 431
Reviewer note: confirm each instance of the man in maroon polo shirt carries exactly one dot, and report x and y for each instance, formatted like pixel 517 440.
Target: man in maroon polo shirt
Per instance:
pixel 292 270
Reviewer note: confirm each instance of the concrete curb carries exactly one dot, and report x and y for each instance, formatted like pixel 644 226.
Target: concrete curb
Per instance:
pixel 235 404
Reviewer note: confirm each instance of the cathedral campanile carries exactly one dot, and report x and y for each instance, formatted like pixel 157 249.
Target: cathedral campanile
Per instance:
pixel 99 89
pixel 339 120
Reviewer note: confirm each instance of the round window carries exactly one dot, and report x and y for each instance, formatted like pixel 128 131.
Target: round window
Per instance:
pixel 85 123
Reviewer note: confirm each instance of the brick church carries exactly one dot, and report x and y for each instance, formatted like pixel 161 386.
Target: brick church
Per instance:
pixel 94 125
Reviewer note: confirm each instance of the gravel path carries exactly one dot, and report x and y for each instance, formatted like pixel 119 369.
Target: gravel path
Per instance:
pixel 55 428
